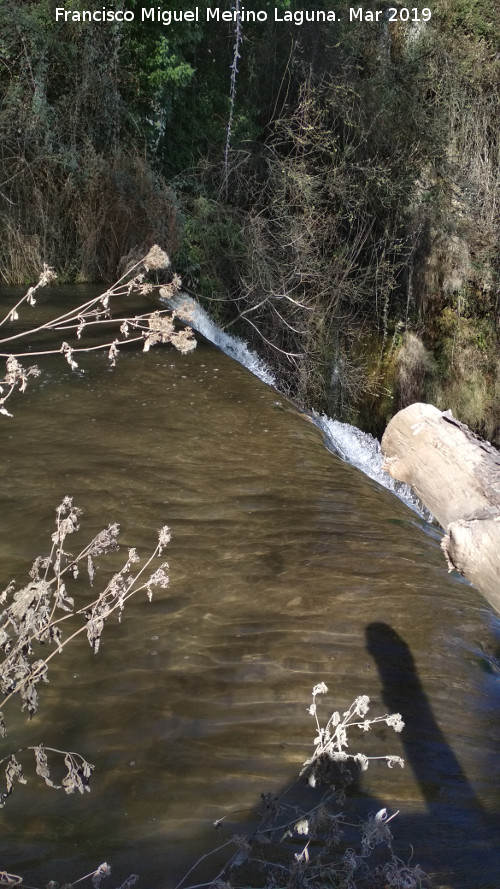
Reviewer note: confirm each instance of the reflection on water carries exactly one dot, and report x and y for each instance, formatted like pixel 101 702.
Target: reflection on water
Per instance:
pixel 288 567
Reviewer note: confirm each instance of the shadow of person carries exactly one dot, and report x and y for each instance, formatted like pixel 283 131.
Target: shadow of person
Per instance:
pixel 455 830
pixel 454 838
pixel 451 836
pixel 427 751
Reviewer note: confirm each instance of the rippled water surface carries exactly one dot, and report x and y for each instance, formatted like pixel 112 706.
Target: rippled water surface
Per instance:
pixel 288 567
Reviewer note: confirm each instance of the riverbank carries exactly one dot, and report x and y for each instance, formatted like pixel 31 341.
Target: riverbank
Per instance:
pixel 329 192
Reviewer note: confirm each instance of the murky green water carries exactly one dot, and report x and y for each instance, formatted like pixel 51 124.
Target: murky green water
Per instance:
pixel 287 568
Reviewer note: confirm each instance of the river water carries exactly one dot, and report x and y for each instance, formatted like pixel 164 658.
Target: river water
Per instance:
pixel 288 567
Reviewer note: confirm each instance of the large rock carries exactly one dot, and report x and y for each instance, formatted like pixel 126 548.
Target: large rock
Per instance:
pixel 457 477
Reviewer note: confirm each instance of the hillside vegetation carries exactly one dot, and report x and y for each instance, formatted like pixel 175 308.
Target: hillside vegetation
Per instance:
pixel 330 190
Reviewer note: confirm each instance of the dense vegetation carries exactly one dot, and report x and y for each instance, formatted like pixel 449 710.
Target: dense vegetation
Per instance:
pixel 331 190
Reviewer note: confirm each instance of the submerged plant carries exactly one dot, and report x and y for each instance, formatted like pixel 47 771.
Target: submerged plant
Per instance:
pixel 10 881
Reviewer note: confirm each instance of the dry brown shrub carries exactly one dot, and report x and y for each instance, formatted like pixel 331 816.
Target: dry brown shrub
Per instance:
pixel 82 221
pixel 126 209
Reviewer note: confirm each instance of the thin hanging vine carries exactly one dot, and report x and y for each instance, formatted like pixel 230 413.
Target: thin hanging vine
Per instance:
pixel 232 93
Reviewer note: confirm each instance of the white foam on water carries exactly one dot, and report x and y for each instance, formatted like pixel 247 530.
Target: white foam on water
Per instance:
pixel 190 311
pixel 348 442
pixel 362 450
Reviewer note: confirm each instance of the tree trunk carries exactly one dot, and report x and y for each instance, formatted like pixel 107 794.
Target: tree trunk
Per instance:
pixel 456 475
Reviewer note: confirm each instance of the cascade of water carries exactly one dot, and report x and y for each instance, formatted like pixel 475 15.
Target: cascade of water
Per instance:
pixel 363 451
pixel 348 442
pixel 190 311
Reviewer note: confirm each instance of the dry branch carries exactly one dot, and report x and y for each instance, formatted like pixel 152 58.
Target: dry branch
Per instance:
pixel 150 328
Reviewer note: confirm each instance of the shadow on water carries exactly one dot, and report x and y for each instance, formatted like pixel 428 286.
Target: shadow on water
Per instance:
pixel 451 801
pixel 430 756
pixel 452 808
pixel 281 556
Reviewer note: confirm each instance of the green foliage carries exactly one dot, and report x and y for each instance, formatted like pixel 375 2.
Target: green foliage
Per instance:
pixel 212 247
pixel 468 378
pixel 477 19
pixel 320 209
pixel 359 154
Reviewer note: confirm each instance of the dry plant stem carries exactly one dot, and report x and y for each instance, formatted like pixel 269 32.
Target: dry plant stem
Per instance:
pixel 32 610
pixel 273 345
pixel 50 749
pixel 151 328
pixel 76 349
pixel 101 322
pixel 232 95
pixel 203 858
pixel 83 611
pixel 324 858
pixel 91 874
pixel 82 312
pixel 139 322
pixel 332 739
pixel 97 875
pixel 46 277
pixel 9 881
pixel 64 570
pixel 29 618
pixel 73 314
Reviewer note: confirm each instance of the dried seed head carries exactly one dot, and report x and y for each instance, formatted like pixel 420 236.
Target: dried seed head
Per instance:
pixel 156 259
pixel 68 354
pixel 183 340
pixel 103 870
pixel 164 537
pixel 105 541
pixel 48 275
pixel 395 721
pixel 160 577
pixel 395 761
pixel 113 353
pixel 362 705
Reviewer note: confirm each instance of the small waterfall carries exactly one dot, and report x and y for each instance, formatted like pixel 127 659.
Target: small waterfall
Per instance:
pixel 362 450
pixel 349 443
pixel 190 311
